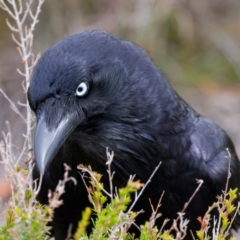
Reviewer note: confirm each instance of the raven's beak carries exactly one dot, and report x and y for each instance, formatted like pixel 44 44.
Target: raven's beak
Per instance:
pixel 48 142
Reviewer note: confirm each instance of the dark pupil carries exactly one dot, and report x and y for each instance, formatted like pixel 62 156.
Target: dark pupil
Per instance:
pixel 80 89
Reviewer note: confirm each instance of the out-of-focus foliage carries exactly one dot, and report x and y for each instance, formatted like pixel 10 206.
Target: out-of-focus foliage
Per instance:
pixel 194 42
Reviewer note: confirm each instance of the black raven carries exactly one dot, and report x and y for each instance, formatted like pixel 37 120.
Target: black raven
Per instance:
pixel 93 90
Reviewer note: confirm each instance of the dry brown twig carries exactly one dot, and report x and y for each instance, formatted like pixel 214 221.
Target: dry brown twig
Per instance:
pixel 110 157
pixel 54 197
pixel 19 181
pixel 22 25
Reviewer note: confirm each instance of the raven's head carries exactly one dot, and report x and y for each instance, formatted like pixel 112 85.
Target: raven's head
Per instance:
pixel 92 86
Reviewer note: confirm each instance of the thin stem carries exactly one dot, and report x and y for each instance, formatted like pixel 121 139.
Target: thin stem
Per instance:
pixel 144 187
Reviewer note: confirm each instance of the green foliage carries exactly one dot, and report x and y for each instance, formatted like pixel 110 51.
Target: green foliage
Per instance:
pixel 226 208
pixel 22 225
pixel 112 219
pixel 25 218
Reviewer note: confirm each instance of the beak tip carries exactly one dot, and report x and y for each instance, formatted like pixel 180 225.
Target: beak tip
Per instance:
pixel 41 168
pixel 40 165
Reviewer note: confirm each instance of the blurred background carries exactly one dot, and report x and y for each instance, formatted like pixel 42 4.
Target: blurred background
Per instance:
pixel 195 43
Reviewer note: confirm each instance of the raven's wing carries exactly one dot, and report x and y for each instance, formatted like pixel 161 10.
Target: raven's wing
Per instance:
pixel 212 146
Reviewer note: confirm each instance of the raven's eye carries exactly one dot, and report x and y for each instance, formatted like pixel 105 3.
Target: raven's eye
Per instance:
pixel 82 89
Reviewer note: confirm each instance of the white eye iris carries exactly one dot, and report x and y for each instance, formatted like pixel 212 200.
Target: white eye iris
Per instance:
pixel 82 89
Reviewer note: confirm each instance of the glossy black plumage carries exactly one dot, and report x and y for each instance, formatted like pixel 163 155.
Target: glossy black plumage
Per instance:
pixel 133 110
